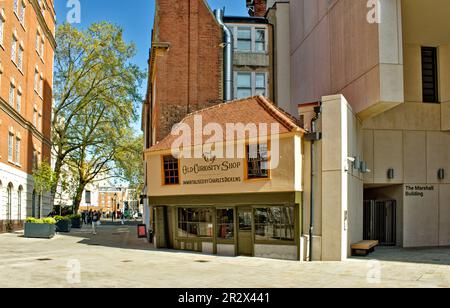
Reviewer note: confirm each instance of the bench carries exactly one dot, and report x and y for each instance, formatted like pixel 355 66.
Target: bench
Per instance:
pixel 363 248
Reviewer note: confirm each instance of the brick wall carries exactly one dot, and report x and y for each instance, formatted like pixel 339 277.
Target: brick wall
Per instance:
pixel 188 76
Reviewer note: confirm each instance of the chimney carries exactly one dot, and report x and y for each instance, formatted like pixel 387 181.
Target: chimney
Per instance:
pixel 257 8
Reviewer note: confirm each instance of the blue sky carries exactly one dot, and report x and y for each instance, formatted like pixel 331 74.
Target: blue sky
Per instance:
pixel 135 17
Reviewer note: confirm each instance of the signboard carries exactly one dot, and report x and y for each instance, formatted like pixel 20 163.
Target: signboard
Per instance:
pixel 418 191
pixel 211 171
pixel 142 231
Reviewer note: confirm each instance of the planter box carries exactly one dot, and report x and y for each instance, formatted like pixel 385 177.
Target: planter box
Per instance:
pixel 63 226
pixel 76 223
pixel 39 230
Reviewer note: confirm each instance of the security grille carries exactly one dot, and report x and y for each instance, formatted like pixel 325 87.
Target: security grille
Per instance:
pixel 380 221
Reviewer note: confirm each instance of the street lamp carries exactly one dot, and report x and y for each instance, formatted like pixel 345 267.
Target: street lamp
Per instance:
pixel 114 206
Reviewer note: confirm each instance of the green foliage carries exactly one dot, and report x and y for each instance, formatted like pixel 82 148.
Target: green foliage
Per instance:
pixel 129 162
pixel 44 177
pixel 75 216
pixel 48 220
pixel 59 218
pixel 96 95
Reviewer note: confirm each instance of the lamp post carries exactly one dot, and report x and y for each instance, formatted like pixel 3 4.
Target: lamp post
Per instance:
pixel 114 206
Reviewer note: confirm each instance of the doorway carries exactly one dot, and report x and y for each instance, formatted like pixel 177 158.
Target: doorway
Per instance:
pixel 245 232
pixel 380 218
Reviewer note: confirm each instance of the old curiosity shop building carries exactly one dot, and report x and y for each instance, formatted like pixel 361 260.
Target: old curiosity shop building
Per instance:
pixel 230 206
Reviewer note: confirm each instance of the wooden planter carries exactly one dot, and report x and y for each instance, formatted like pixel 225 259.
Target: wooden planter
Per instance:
pixel 39 230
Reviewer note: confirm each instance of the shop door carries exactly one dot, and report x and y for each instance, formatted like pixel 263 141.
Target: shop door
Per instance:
pixel 245 238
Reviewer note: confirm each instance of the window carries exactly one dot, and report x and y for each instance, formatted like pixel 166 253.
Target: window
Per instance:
pixel 41 86
pixel 260 88
pixel 42 48
pixel 20 60
pixel 2 27
pixel 9 201
pixel 19 203
pixel 14 49
pixel 429 75
pixel 275 223
pixel 36 80
pixel 250 83
pixel 244 39
pixel 257 161
pixel 22 13
pixel 18 150
pixel 244 85
pixel 171 171
pixel 38 40
pixel 12 90
pixel 260 40
pixel 19 101
pixel 10 146
pixel 35 117
pixel 39 127
pixel 195 222
pixel 16 7
pixel 225 224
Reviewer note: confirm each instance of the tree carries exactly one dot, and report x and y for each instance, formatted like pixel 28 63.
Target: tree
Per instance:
pixel 95 89
pixel 129 162
pixel 44 178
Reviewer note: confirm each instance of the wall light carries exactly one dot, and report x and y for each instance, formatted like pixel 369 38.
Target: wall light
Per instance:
pixel 390 174
pixel 441 174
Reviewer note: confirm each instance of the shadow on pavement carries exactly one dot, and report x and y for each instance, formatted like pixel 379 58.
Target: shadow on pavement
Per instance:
pixel 110 234
pixel 438 256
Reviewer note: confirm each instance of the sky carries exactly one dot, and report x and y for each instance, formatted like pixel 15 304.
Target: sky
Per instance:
pixel 136 18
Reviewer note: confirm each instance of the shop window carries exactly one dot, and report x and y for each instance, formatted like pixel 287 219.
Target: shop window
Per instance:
pixel 275 223
pixel 257 161
pixel 195 223
pixel 171 170
pixel 225 224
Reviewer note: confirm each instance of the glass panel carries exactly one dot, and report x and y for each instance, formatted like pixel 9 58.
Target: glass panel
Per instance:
pixel 244 33
pixel 195 222
pixel 244 80
pixel 243 93
pixel 261 81
pixel 244 37
pixel 225 224
pixel 244 45
pixel 274 223
pixel 245 220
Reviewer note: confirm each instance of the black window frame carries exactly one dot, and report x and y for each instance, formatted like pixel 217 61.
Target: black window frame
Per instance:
pixel 252 162
pixel 430 81
pixel 171 170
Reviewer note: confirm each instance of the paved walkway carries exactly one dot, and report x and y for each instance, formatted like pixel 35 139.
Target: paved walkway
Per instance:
pixel 115 257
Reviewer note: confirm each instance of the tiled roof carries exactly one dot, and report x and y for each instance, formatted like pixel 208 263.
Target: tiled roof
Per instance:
pixel 256 109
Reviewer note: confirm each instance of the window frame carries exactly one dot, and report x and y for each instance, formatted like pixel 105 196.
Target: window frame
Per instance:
pixel 294 224
pixel 435 72
pixel 253 75
pixel 163 171
pixel 212 222
pixel 246 165
pixel 253 37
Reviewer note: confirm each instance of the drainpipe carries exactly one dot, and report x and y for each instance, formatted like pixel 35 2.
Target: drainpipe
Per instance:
pixel 227 56
pixel 313 136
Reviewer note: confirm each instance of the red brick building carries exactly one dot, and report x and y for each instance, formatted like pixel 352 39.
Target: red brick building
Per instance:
pixel 185 65
pixel 27 44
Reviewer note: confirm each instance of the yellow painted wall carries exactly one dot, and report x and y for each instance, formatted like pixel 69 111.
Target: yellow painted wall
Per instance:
pixel 285 178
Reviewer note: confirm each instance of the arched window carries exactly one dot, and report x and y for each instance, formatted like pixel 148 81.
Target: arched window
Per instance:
pixel 19 203
pixel 9 201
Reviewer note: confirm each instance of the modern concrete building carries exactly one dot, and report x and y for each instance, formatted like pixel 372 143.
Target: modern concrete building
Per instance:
pixel 380 74
pixel 27 44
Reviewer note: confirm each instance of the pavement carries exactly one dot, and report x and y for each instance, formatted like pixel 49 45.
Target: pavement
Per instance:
pixel 115 257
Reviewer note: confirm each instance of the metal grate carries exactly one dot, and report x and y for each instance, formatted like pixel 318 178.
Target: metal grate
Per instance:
pixel 380 221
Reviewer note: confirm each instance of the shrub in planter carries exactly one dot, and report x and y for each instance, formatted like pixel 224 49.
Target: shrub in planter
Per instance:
pixel 63 224
pixel 76 221
pixel 40 228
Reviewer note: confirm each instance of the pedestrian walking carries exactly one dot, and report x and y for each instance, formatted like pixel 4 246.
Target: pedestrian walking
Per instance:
pixel 122 218
pixel 83 217
pixel 94 222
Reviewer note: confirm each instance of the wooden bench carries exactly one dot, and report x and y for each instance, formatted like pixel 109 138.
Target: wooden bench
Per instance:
pixel 363 248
